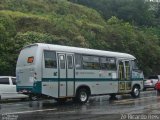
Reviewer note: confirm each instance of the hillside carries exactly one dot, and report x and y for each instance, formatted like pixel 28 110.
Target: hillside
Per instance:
pixel 61 19
pixel 61 22
pixel 51 21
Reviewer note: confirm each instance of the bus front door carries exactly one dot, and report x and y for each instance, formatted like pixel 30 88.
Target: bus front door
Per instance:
pixel 66 74
pixel 124 72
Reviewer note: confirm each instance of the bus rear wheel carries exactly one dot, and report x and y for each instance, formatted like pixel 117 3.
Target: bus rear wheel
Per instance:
pixel 135 92
pixel 82 95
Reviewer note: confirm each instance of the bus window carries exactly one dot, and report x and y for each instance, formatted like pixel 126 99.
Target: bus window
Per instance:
pixel 91 62
pixel 134 65
pixel 70 62
pixel 108 63
pixel 78 61
pixel 103 63
pixel 62 61
pixel 50 59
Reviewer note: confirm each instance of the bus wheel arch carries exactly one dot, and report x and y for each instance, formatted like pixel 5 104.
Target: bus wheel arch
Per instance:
pixel 82 94
pixel 135 91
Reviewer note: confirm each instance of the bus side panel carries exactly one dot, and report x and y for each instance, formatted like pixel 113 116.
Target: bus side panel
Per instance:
pixel 50 89
pixel 137 78
pixel 107 87
pixel 101 88
pixel 37 85
pixel 49 78
pixel 70 88
pixel 25 70
pixel 139 82
pixel 98 82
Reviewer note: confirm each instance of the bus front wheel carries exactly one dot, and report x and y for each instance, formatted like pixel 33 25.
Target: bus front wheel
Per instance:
pixel 82 95
pixel 135 92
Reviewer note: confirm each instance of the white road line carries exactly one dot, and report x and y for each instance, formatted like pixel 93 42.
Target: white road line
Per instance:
pixel 32 111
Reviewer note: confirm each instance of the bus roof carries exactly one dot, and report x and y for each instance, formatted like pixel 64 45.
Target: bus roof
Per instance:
pixel 62 48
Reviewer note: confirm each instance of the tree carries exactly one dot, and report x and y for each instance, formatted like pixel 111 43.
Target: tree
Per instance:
pixel 134 11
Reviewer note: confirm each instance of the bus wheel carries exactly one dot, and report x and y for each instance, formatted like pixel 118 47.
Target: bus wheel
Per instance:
pixel 82 95
pixel 135 92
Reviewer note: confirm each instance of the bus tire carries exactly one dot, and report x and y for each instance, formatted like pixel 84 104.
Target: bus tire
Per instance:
pixel 82 95
pixel 135 91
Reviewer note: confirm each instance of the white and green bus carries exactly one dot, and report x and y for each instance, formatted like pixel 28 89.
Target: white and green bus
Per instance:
pixel 65 72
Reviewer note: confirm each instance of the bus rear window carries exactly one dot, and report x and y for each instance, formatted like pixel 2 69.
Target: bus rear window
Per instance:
pixel 30 59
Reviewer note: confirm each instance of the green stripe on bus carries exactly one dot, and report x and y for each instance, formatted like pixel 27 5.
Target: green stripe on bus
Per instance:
pixel 134 79
pixel 37 87
pixel 24 86
pixel 86 79
pixel 29 88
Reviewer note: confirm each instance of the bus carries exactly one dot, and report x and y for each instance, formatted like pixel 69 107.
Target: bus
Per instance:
pixel 63 72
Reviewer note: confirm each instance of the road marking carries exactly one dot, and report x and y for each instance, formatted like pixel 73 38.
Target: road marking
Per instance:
pixel 32 111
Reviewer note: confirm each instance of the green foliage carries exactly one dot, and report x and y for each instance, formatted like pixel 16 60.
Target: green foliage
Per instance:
pixel 144 45
pixel 24 22
pixel 134 11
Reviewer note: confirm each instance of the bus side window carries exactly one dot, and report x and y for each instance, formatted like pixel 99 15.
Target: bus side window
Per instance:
pixel 78 61
pixel 91 62
pixel 50 59
pixel 62 61
pixel 134 65
pixel 103 63
pixel 70 62
pixel 108 63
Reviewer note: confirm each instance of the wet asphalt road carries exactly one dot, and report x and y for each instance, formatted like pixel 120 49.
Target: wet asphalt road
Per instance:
pixel 98 108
